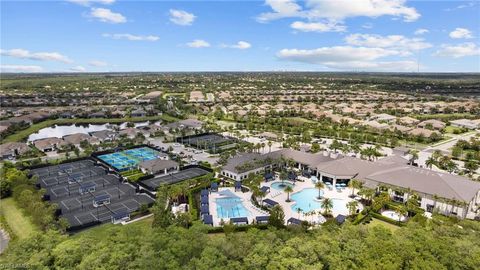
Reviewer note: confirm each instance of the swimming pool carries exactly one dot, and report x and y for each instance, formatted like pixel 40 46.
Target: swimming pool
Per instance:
pixel 393 215
pixel 281 186
pixel 127 159
pixel 230 207
pixel 305 200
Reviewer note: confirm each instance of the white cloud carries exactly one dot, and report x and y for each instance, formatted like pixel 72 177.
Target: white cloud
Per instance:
pixel 242 45
pixel 421 31
pixel 338 10
pixel 78 69
pixel 348 57
pixel 198 43
pixel 462 6
pixel 106 15
pixel 20 68
pixel 181 17
pixel 461 33
pixel 132 37
pixel 317 27
pixel 98 63
pixel 281 9
pixel 397 42
pixel 40 56
pixel 367 25
pixel 87 3
pixel 458 51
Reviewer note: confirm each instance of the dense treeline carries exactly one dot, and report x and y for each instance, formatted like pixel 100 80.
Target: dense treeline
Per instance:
pixel 437 245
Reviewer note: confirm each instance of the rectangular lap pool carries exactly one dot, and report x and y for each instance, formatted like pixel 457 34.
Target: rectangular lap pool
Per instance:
pixel 129 159
pixel 230 207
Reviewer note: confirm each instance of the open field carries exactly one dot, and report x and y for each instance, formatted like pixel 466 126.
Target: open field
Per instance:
pixel 20 224
pixel 23 134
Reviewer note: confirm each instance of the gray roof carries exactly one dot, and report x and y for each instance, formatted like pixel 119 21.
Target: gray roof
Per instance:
pixel 394 171
pixel 444 185
pixel 156 165
pixel 103 134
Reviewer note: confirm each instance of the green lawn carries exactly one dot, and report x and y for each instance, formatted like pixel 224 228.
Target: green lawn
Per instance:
pixel 23 134
pixel 20 224
pixel 377 222
pixel 452 129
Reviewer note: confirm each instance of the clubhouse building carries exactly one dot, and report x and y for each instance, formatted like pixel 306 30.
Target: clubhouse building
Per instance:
pixel 441 192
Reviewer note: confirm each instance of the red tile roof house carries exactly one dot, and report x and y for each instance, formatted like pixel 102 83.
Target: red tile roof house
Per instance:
pixel 438 125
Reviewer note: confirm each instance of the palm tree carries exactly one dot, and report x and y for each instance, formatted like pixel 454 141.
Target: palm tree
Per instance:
pixel 413 156
pixel 352 207
pixel 327 205
pixel 288 189
pixel 319 185
pixel 354 184
pixel 269 146
pixel 367 193
pixel 299 211
pixel 430 162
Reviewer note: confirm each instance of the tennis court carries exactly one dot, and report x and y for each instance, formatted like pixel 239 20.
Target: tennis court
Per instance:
pixel 209 141
pixel 153 183
pixel 87 195
pixel 128 159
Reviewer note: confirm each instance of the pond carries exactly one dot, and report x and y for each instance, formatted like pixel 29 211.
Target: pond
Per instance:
pixel 62 130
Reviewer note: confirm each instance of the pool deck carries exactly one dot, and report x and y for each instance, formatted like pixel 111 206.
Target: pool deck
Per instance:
pixel 281 197
pixel 253 211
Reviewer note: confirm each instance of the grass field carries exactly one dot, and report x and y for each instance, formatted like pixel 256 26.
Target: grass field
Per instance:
pixel 452 129
pixel 377 222
pixel 23 134
pixel 20 224
pixel 103 231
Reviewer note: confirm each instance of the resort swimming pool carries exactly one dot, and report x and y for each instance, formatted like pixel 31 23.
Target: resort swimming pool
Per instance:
pixel 127 159
pixel 280 185
pixel 305 200
pixel 230 207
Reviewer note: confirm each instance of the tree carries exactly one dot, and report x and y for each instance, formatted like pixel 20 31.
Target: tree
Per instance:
pixel 367 193
pixel 430 162
pixel 277 217
pixel 269 146
pixel 471 166
pixel 288 189
pixel 352 207
pixel 354 184
pixel 327 205
pixel 162 216
pixel 413 155
pixel 319 185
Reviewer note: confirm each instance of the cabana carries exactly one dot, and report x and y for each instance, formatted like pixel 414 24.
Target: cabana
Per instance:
pixel 294 221
pixel 204 200
pixel 340 219
pixel 265 189
pixel 204 210
pixel 207 220
pixel 238 185
pixel 269 203
pixel 214 187
pixel 239 221
pixel 204 192
pixel 292 176
pixel 306 173
pixel 269 176
pixel 261 219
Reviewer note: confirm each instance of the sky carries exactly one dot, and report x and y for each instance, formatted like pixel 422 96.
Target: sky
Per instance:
pixel 250 35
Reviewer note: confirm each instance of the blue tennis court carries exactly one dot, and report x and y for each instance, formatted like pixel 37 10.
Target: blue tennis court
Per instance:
pixel 128 159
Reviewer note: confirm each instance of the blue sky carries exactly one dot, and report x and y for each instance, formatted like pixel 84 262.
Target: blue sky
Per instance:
pixel 272 35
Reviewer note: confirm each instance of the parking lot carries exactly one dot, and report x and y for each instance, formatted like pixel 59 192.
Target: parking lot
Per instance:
pixel 86 194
